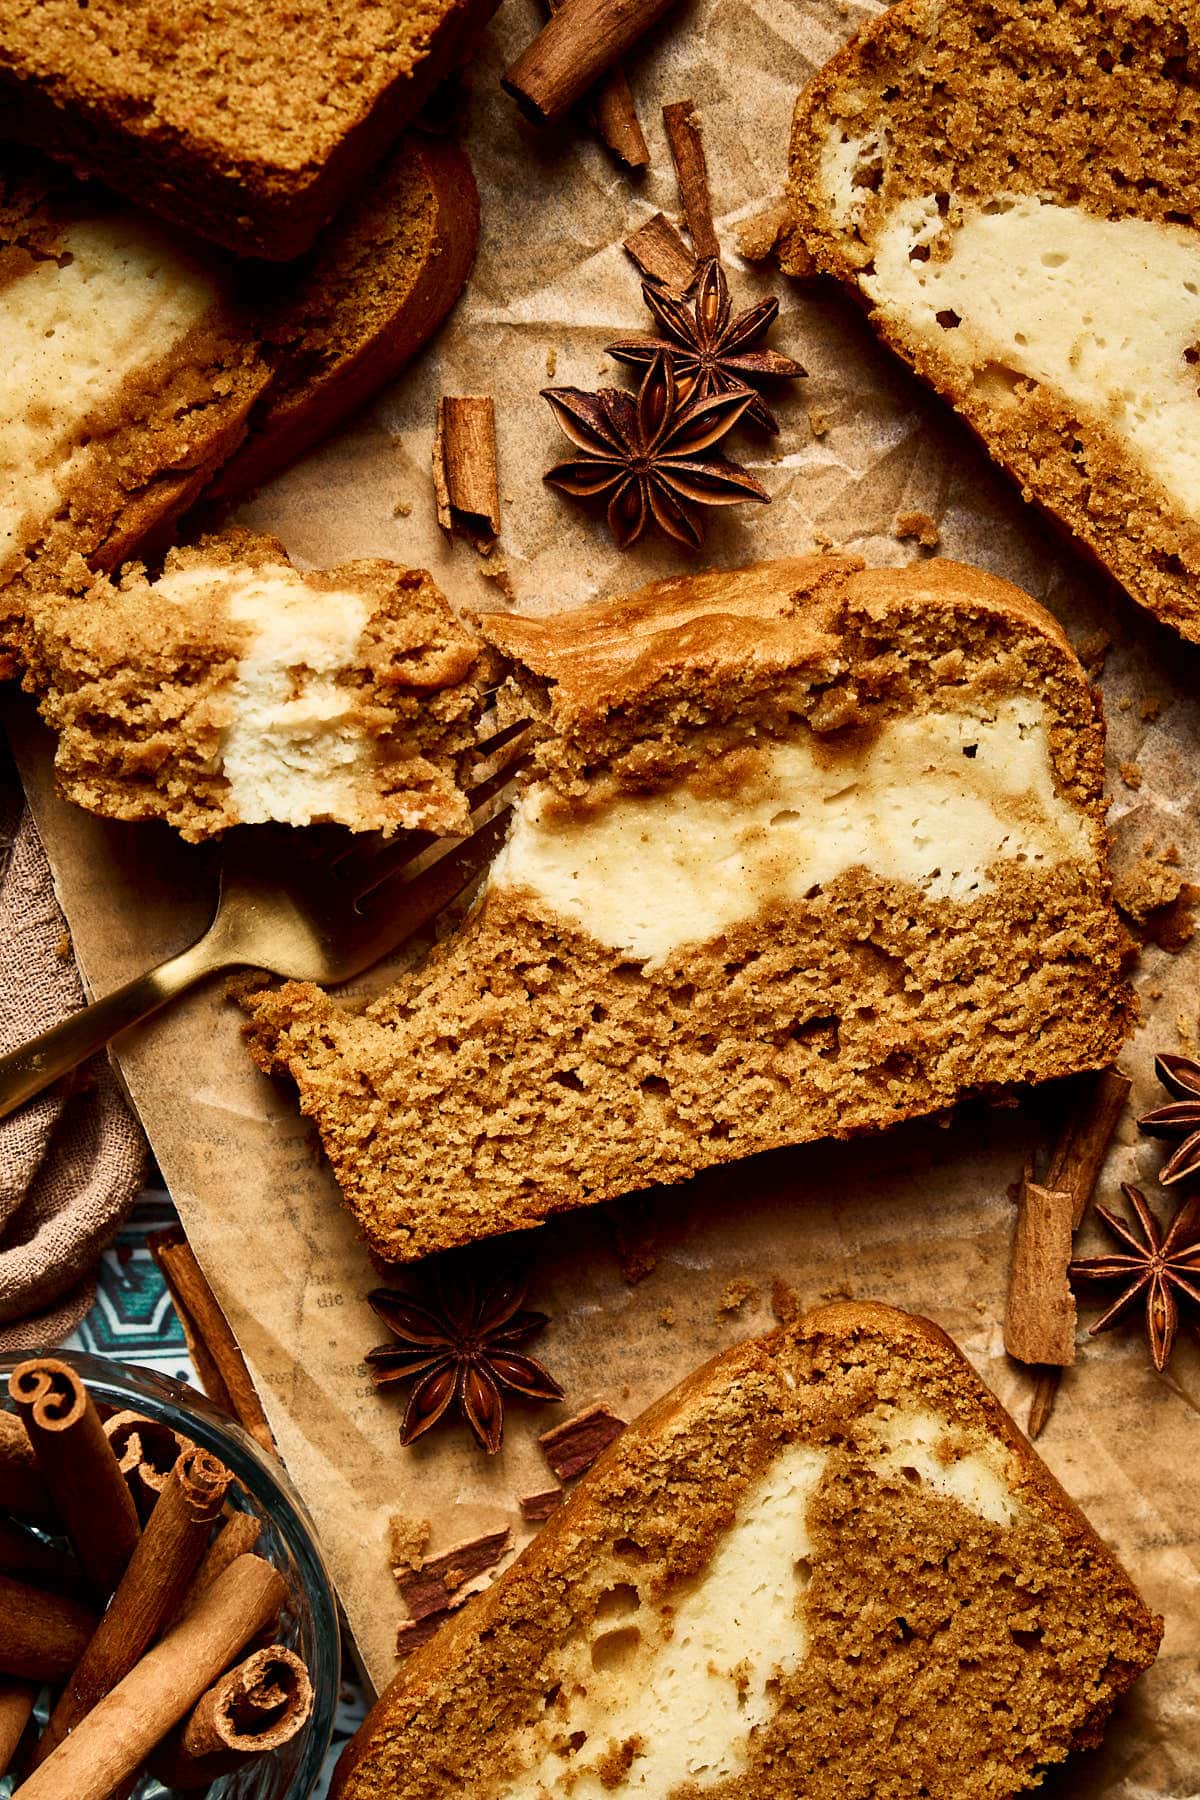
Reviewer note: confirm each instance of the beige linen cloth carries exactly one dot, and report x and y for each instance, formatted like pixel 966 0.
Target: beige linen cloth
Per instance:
pixel 72 1160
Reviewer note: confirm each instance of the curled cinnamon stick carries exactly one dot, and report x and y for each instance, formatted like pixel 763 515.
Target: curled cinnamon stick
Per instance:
pixel 210 1341
pixel 118 1734
pixel 691 172
pixel 576 46
pixel 23 1487
pixel 42 1635
pixel 1080 1152
pixel 259 1706
pixel 160 1569
pixel 16 1705
pixel 79 1467
pixel 146 1451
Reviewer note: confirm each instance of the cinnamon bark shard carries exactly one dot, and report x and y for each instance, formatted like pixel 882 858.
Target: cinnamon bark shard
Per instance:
pixel 575 1445
pixel 537 1508
pixel 412 1633
pixel 1039 1318
pixel 691 172
pixel 210 1341
pixel 577 45
pixel 431 1587
pixel 615 112
pixel 661 254
pixel 465 478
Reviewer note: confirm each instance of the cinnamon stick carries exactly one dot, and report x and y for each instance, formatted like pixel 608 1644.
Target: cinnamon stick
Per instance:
pixel 16 1706
pixel 23 1487
pixel 465 476
pixel 576 46
pixel 30 1557
pixel 615 112
pixel 1080 1152
pixel 151 1588
pixel 691 172
pixel 212 1345
pixel 146 1451
pixel 660 253
pixel 239 1534
pixel 117 1735
pixel 79 1467
pixel 257 1707
pixel 42 1635
pixel 1039 1318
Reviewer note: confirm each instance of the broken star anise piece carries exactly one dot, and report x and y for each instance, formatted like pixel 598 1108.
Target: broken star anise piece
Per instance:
pixel 1180 1075
pixel 649 456
pixel 710 349
pixel 1159 1269
pixel 462 1349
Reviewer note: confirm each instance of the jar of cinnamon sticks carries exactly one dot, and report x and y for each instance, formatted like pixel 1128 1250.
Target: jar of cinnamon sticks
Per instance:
pixel 166 1620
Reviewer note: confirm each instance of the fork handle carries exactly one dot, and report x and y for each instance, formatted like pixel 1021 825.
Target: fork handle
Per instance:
pixel 32 1067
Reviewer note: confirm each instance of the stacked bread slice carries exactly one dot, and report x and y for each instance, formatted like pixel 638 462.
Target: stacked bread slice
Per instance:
pixel 250 122
pixel 137 365
pixel 1011 190
pixel 807 850
pixel 233 689
pixel 827 1565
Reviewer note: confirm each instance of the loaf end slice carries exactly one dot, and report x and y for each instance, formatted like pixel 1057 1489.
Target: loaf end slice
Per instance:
pixel 233 689
pixel 250 125
pixel 1010 189
pixel 806 849
pixel 340 326
pixel 828 1564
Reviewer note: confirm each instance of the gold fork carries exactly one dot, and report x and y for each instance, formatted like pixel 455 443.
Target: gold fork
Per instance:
pixel 306 906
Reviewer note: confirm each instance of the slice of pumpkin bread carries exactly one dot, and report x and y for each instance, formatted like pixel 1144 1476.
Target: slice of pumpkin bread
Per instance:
pixel 235 689
pixel 1011 189
pixel 827 1565
pixel 807 849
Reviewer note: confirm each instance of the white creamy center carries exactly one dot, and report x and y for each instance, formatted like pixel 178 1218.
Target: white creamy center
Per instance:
pixel 1106 311
pixel 687 1684
pixel 922 1447
pixel 292 749
pixel 936 800
pixel 72 333
pixel 691 1685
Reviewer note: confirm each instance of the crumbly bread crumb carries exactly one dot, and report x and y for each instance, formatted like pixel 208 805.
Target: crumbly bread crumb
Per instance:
pixel 468 1098
pixel 250 123
pixel 148 682
pixel 950 118
pixel 931 1612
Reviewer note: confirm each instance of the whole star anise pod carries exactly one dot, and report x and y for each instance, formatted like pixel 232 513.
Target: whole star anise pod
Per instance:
pixel 462 1349
pixel 649 455
pixel 1180 1075
pixel 1161 1269
pixel 711 350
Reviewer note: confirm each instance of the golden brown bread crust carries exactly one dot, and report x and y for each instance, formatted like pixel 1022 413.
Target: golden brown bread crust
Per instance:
pixel 370 299
pixel 823 1345
pixel 976 97
pixel 103 94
